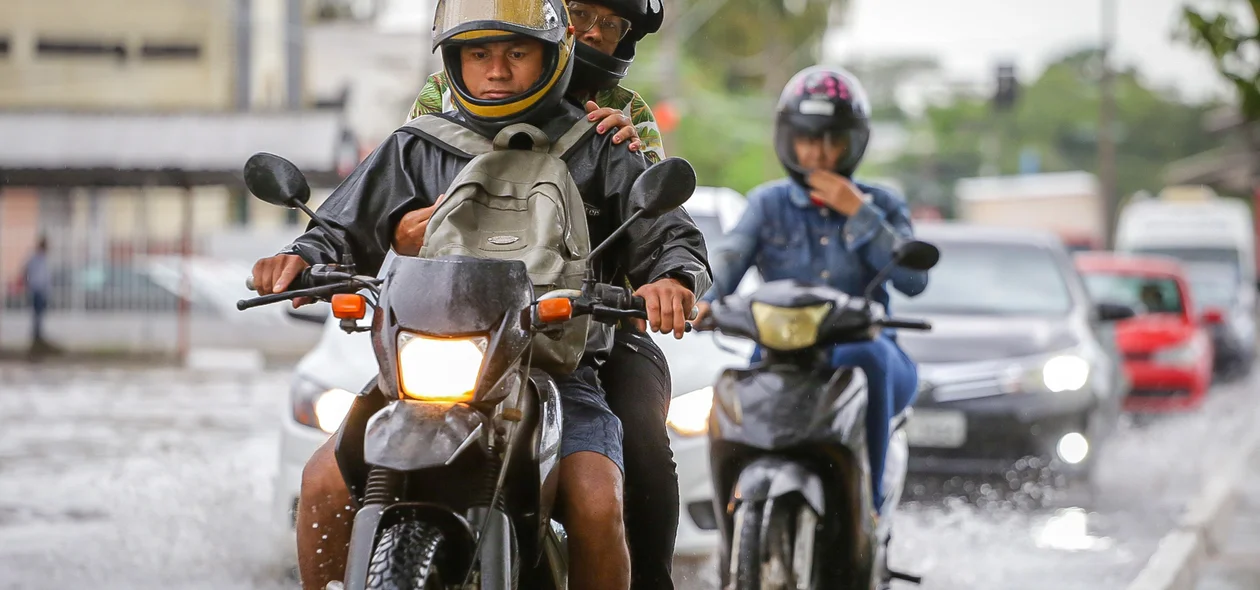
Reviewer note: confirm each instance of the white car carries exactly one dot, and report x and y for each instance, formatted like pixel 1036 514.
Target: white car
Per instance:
pixel 326 380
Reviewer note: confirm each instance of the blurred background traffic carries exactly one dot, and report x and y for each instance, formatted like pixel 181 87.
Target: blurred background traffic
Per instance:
pixel 1090 170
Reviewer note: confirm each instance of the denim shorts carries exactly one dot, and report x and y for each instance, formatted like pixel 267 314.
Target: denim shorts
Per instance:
pixel 587 423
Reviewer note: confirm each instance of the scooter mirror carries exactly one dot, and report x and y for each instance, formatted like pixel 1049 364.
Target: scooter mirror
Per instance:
pixel 276 180
pixel 917 255
pixel 663 187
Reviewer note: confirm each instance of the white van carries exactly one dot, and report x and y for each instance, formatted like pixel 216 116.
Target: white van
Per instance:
pixel 1215 240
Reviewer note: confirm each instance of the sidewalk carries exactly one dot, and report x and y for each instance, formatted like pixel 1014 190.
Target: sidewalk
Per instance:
pixel 1235 562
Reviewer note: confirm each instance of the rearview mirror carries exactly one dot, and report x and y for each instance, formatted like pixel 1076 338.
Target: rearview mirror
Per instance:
pixel 1114 312
pixel 663 187
pixel 1213 315
pixel 276 180
pixel 917 255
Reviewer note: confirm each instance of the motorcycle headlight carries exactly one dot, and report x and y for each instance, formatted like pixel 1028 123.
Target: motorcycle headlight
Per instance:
pixel 439 369
pixel 788 328
pixel 1065 372
pixel 317 406
pixel 689 412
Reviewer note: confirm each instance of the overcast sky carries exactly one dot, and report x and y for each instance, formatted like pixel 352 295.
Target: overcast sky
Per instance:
pixel 970 36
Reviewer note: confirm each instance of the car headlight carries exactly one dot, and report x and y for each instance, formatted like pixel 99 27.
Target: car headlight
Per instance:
pixel 1065 372
pixel 317 406
pixel 1186 353
pixel 439 369
pixel 689 412
pixel 788 328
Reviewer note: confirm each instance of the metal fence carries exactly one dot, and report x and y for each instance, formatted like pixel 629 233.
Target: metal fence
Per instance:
pixel 132 273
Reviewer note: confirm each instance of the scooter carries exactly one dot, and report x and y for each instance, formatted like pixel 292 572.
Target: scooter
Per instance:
pixel 462 405
pixel 787 440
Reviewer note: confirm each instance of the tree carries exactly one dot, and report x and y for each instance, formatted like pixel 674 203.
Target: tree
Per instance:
pixel 1055 118
pixel 721 65
pixel 1236 54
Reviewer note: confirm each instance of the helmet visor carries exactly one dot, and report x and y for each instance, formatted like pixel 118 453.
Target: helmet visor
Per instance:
pixel 477 20
pixel 808 143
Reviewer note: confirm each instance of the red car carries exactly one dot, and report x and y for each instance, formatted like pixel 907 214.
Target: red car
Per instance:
pixel 1166 347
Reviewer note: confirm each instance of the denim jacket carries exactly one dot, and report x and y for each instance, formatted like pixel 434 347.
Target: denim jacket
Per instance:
pixel 788 237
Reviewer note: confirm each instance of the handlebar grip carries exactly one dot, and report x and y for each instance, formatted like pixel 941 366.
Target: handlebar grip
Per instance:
pixel 638 303
pixel 301 281
pixel 245 304
pixel 907 324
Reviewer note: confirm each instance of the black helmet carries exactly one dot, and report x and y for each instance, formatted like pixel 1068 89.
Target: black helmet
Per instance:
pixel 596 70
pixel 463 22
pixel 822 101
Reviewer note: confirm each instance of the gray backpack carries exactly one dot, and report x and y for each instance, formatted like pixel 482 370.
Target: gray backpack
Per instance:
pixel 517 204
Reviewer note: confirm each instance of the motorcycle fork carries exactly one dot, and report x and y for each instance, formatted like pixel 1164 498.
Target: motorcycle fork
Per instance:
pixel 383 485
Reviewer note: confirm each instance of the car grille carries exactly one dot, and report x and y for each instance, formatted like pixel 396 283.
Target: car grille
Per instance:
pixel 702 514
pixel 1159 393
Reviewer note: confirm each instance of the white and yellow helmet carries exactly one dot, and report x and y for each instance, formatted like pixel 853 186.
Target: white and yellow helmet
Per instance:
pixel 461 22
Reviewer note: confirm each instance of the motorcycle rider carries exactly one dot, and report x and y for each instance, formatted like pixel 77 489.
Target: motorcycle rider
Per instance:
pixel 636 377
pixel 820 226
pixel 608 32
pixel 508 66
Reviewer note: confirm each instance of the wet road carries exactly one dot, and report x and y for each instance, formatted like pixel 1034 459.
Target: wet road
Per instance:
pixel 161 478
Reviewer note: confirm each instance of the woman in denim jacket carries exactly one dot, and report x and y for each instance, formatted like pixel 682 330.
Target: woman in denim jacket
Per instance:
pixel 821 227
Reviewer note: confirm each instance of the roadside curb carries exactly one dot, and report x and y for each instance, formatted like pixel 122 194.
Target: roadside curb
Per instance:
pixel 1197 534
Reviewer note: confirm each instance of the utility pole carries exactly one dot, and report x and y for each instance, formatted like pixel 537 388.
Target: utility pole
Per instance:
pixel 1106 125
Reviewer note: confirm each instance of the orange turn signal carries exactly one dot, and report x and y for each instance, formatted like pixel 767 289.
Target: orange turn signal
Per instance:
pixel 349 306
pixel 554 310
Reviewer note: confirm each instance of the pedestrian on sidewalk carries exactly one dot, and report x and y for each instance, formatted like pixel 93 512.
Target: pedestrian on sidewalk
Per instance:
pixel 38 287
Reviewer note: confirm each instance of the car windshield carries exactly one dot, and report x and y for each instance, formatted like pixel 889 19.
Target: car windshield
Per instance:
pixel 1214 284
pixel 1227 256
pixel 991 279
pixel 710 226
pixel 1146 295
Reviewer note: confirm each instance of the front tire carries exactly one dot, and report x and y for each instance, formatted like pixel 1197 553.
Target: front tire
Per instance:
pixel 405 558
pixel 775 547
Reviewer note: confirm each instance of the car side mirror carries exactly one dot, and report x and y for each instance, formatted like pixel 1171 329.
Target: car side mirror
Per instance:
pixel 1114 312
pixel 1213 316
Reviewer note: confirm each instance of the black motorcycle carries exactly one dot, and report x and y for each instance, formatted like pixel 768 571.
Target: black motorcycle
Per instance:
pixel 787 440
pixel 463 406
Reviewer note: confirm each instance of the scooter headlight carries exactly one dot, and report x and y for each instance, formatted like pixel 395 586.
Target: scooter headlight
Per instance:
pixel 788 328
pixel 439 369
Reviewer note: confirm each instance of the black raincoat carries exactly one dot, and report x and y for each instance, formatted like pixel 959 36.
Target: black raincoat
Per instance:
pixel 408 172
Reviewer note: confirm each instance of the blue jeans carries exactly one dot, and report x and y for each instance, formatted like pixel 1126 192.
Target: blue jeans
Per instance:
pixel 39 304
pixel 892 383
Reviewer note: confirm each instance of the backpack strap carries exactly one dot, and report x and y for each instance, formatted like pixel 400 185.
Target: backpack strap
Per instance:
pixel 564 146
pixel 450 135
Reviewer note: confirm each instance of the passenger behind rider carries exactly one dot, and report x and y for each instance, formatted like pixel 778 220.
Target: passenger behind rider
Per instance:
pixel 821 227
pixel 636 377
pixel 503 79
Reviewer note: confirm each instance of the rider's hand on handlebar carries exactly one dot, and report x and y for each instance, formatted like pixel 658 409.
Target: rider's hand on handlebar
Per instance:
pixel 668 302
pixel 409 235
pixel 702 309
pixel 610 118
pixel 273 275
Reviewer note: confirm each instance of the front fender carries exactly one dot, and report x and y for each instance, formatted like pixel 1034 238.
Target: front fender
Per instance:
pixel 769 478
pixel 778 409
pixel 409 435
